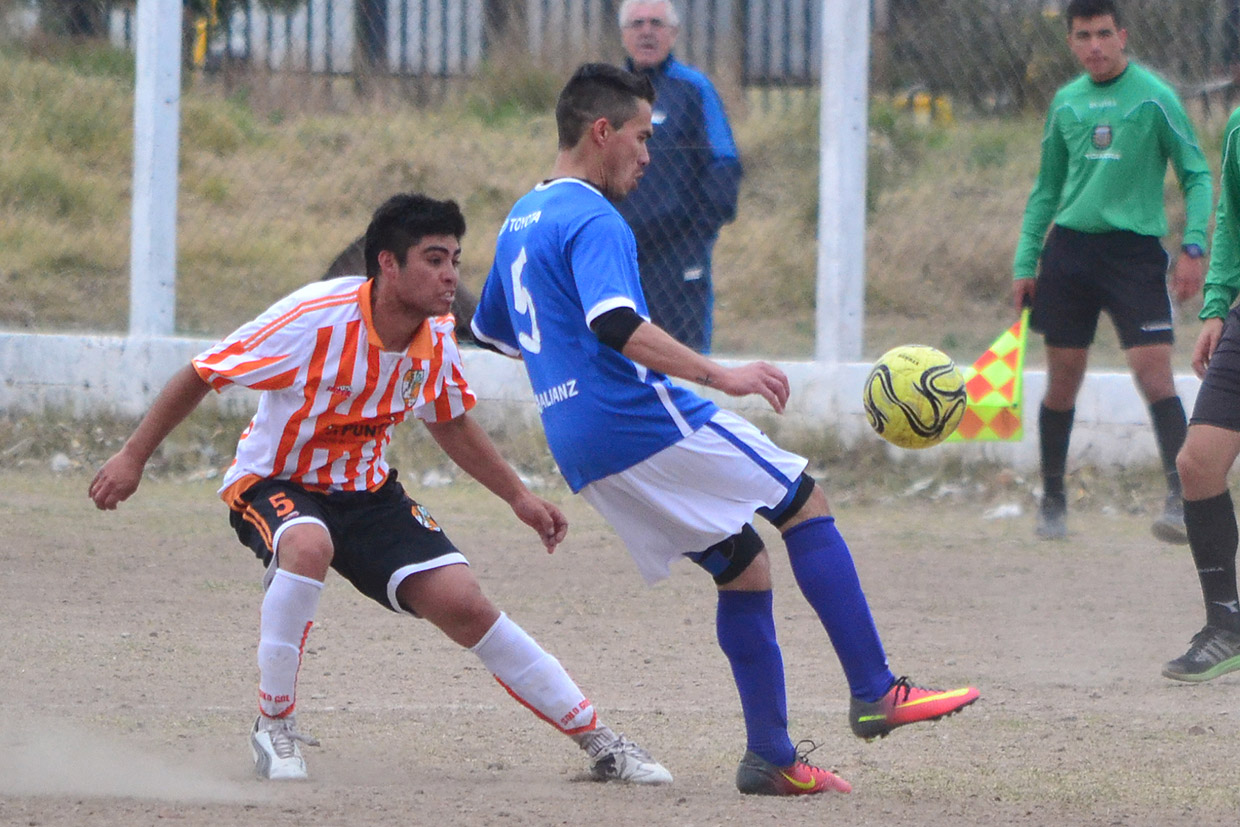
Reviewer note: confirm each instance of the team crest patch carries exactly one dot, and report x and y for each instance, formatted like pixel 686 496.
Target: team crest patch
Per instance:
pixel 1102 136
pixel 411 384
pixel 424 517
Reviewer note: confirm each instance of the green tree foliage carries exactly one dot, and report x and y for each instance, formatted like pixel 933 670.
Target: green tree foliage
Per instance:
pixel 1007 55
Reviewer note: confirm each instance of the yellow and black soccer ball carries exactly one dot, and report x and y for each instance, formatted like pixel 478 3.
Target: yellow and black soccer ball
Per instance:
pixel 915 396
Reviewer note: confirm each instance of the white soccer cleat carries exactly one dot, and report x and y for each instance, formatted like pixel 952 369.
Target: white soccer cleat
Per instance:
pixel 276 753
pixel 622 760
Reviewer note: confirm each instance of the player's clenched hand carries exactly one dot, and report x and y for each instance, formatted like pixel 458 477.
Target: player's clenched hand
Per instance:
pixel 1187 277
pixel 116 481
pixel 1207 341
pixel 761 378
pixel 1022 293
pixel 542 516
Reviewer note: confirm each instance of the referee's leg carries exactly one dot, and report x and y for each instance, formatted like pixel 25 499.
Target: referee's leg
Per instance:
pixel 1065 371
pixel 1151 370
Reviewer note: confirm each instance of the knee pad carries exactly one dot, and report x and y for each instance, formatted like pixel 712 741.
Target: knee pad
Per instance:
pixel 726 560
pixel 787 509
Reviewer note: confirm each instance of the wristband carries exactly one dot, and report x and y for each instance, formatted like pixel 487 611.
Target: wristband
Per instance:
pixel 1193 250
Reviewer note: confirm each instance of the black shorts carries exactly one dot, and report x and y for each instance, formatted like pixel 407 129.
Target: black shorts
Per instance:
pixel 379 537
pixel 1218 398
pixel 1120 272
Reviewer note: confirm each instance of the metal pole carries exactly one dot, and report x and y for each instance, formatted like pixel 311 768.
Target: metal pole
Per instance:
pixel 157 115
pixel 841 180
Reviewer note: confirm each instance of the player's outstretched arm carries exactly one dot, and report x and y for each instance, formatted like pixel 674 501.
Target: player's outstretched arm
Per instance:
pixel 464 441
pixel 120 475
pixel 653 347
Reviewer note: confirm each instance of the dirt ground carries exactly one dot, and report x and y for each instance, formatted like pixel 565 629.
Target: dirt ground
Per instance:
pixel 128 682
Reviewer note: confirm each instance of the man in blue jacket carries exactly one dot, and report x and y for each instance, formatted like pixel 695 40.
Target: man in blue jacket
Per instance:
pixel 690 188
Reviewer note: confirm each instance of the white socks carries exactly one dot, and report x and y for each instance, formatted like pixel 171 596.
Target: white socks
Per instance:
pixel 535 678
pixel 525 669
pixel 287 615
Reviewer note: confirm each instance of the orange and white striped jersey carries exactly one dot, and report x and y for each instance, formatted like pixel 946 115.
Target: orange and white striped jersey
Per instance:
pixel 331 393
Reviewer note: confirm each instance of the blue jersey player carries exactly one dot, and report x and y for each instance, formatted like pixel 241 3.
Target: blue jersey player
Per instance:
pixel 675 475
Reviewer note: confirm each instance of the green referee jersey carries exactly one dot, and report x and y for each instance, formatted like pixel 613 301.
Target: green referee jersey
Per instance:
pixel 1104 162
pixel 1223 279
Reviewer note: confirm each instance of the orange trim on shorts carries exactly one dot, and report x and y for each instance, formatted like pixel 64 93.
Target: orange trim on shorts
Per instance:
pixel 252 517
pixel 232 494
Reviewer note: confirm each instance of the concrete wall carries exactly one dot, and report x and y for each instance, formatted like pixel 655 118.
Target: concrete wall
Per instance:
pixel 117 375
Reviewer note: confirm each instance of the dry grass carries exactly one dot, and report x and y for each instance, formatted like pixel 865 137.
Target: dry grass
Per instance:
pixel 279 174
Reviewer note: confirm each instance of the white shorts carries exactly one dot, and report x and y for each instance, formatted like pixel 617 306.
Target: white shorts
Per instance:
pixel 695 493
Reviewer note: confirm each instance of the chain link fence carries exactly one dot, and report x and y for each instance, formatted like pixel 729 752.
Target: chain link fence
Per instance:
pixel 299 117
pixel 960 91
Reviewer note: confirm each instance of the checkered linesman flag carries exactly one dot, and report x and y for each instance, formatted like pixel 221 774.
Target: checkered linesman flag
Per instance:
pixel 994 385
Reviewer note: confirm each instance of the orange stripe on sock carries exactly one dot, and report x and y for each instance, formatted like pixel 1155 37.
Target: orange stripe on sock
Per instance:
pixel 574 731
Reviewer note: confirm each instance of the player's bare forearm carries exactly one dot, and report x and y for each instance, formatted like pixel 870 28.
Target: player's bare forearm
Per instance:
pixel 179 398
pixel 119 477
pixel 464 441
pixel 467 445
pixel 653 347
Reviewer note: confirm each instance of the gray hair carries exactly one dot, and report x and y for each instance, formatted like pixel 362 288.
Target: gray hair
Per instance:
pixel 673 19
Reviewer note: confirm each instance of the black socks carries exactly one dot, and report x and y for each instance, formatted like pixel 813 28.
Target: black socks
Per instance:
pixel 1054 429
pixel 1170 428
pixel 1212 536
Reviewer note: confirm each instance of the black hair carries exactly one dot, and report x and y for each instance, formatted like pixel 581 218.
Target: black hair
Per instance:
pixel 404 220
pixel 1086 9
pixel 598 90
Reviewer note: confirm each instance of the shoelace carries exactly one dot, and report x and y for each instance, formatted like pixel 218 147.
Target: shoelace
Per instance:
pixel 904 687
pixel 283 736
pixel 1208 641
pixel 803 754
pixel 624 745
pixel 1200 640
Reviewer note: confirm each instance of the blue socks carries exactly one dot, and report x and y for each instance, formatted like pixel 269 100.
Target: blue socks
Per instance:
pixel 744 622
pixel 824 571
pixel 746 630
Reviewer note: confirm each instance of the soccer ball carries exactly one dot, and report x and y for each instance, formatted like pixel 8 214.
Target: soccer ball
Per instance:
pixel 914 396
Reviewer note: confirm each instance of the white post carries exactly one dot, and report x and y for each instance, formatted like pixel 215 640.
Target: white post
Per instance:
pixel 842 139
pixel 156 132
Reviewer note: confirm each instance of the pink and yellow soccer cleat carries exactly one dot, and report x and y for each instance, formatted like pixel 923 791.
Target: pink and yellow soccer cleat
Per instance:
pixel 757 776
pixel 904 704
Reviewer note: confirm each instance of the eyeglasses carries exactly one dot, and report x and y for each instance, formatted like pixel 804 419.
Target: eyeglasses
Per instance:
pixel 656 23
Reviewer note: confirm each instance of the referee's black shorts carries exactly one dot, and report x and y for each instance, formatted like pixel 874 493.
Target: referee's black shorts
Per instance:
pixel 1083 274
pixel 1218 398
